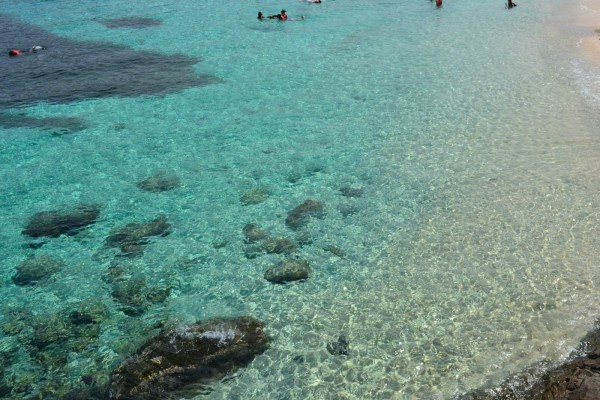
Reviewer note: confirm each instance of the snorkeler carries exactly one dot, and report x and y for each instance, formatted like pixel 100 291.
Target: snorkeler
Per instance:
pixel 17 52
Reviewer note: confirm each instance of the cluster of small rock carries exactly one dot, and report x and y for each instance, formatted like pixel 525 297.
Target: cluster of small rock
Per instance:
pixel 211 349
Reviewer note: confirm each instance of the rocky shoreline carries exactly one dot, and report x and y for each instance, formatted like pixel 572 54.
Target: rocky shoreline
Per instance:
pixel 576 379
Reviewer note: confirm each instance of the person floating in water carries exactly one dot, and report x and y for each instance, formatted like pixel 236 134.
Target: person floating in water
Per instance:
pixel 510 4
pixel 17 52
pixel 282 16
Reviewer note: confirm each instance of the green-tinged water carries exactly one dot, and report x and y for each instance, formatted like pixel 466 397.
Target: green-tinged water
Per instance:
pixel 455 151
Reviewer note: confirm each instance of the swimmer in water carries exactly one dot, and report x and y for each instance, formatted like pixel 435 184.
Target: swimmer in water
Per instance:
pixel 260 15
pixel 17 52
pixel 510 4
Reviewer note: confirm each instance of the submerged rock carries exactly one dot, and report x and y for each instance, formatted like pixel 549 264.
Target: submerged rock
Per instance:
pixel 132 291
pixel 188 356
pixel 59 222
pixel 576 379
pixel 129 22
pixel 35 269
pixel 132 238
pixel 253 233
pixel 340 347
pixel 160 182
pixel 300 215
pixel 279 245
pixel 349 191
pixel 89 312
pixel 254 196
pixel 288 270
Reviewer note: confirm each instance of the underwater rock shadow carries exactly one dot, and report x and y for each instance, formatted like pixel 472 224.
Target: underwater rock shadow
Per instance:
pixel 129 22
pixel 58 125
pixel 68 70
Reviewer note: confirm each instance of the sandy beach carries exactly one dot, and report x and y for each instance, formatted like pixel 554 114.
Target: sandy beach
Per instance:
pixel 588 18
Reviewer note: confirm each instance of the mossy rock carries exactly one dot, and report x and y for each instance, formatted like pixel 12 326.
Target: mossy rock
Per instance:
pixel 279 245
pixel 178 361
pixel 58 222
pixel 253 233
pixel 89 312
pixel 35 269
pixel 132 238
pixel 254 196
pixel 301 214
pixel 288 270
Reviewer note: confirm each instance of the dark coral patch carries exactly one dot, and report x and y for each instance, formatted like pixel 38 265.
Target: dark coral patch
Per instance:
pixel 58 222
pixel 188 356
pixel 68 70
pixel 129 22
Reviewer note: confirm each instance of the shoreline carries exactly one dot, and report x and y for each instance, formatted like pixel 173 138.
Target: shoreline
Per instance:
pixel 587 17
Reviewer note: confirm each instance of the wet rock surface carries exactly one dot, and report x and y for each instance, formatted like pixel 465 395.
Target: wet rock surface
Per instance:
pixel 288 270
pixel 35 269
pixel 577 379
pixel 184 358
pixel 58 222
pixel 301 214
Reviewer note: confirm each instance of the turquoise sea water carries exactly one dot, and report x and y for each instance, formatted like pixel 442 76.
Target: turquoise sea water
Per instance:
pixel 471 130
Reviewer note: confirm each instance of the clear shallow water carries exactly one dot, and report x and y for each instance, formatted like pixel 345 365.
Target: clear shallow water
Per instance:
pixel 471 253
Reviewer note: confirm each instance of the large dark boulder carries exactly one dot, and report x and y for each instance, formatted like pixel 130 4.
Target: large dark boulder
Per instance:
pixel 59 222
pixel 184 358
